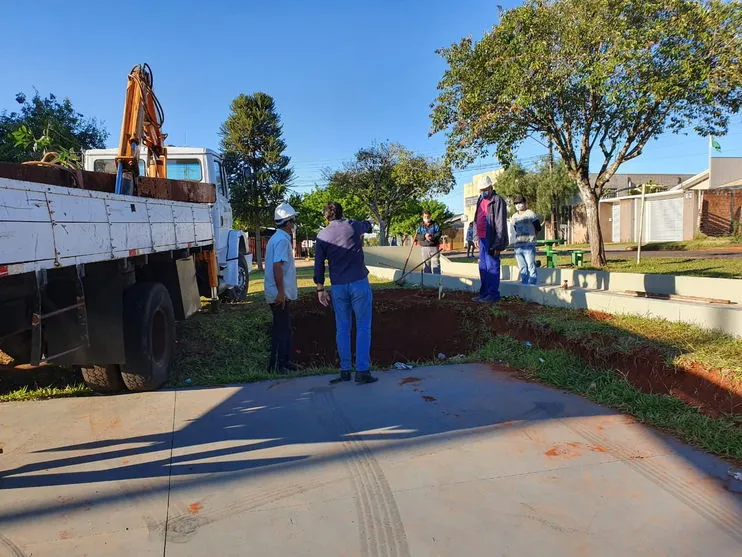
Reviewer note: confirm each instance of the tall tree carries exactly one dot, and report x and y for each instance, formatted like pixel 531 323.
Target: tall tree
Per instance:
pixel 257 170
pixel 47 124
pixel 548 187
pixel 387 175
pixel 405 223
pixel 311 205
pixel 599 78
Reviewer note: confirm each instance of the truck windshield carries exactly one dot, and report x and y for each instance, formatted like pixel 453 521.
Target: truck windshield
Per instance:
pixel 177 169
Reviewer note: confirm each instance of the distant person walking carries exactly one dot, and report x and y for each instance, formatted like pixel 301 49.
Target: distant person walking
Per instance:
pixel 280 287
pixel 470 235
pixel 341 244
pixel 491 222
pixel 526 225
pixel 428 237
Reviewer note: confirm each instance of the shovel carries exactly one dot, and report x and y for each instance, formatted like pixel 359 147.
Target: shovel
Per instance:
pixel 400 280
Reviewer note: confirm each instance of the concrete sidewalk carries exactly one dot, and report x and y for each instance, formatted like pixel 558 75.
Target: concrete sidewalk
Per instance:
pixel 456 460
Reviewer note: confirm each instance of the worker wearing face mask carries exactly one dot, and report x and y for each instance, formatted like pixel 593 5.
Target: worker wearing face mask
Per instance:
pixel 280 287
pixel 525 224
pixel 491 222
pixel 428 237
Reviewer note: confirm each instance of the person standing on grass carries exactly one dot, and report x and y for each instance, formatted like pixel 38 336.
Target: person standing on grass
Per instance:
pixel 280 287
pixel 491 222
pixel 526 224
pixel 428 237
pixel 341 244
pixel 470 240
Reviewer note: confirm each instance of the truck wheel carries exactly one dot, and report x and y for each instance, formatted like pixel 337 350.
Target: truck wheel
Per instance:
pixel 239 292
pixel 149 336
pixel 105 380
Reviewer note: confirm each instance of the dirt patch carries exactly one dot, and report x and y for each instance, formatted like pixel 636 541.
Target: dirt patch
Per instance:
pixel 408 380
pixel 406 327
pixel 410 326
pixel 428 398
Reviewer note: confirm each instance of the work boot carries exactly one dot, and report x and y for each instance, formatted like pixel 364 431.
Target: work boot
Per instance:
pixel 344 376
pixel 363 377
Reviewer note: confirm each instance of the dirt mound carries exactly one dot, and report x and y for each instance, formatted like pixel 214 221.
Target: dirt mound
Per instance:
pixel 413 326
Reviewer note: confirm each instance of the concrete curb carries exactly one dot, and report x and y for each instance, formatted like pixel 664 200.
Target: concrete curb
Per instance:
pixel 721 317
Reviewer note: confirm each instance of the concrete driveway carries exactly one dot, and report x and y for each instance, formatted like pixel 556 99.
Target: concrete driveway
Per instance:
pixel 457 460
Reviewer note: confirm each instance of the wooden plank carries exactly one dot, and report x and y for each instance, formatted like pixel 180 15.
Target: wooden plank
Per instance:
pixel 176 190
pixel 640 294
pixel 156 188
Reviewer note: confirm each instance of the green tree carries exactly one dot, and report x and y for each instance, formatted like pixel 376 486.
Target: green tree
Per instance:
pixel 547 188
pixel 257 170
pixel 599 78
pixel 310 207
pixel 43 124
pixel 384 177
pixel 407 221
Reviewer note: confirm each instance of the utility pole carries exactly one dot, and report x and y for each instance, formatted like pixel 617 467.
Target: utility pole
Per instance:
pixel 554 199
pixel 641 226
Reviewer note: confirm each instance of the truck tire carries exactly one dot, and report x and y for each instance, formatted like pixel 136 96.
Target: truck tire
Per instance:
pixel 105 380
pixel 149 336
pixel 239 292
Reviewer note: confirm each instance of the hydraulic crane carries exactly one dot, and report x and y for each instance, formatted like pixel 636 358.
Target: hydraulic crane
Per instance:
pixel 141 126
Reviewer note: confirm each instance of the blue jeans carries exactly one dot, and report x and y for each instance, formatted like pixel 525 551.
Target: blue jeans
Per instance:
pixel 489 272
pixel 526 256
pixel 351 299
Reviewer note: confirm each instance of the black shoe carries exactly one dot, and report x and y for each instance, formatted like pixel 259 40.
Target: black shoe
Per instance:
pixel 363 377
pixel 344 376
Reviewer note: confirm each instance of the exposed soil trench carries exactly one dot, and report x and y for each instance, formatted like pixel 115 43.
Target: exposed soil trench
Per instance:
pixel 411 326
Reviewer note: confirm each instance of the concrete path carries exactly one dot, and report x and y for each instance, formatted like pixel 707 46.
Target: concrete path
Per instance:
pixel 457 460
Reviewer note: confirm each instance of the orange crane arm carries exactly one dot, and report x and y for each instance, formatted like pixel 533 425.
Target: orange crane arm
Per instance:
pixel 141 126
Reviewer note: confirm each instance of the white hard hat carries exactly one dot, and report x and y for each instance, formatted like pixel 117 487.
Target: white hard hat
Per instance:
pixel 484 184
pixel 284 212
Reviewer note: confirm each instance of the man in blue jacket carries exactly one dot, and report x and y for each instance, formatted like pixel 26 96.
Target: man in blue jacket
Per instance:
pixel 428 237
pixel 341 243
pixel 491 223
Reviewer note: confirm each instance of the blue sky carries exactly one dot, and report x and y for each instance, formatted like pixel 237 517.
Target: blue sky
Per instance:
pixel 344 74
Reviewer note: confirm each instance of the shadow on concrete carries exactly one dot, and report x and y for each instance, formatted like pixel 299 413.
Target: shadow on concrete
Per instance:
pixel 304 412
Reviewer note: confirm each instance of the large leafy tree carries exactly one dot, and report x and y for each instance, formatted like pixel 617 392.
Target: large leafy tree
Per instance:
pixel 311 205
pixel 599 78
pixel 42 124
pixel 257 170
pixel 410 217
pixel 385 176
pixel 548 187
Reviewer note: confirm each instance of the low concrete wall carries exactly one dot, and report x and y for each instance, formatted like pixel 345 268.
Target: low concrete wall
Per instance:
pixel 707 316
pixel 727 289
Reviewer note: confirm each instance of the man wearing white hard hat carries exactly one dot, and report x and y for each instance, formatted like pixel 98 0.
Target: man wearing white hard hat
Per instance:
pixel 491 223
pixel 280 287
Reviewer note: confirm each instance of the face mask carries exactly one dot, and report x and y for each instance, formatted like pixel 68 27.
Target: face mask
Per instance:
pixel 520 206
pixel 486 194
pixel 426 221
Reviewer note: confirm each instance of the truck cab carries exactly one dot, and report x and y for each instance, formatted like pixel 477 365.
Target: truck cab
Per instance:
pixel 199 164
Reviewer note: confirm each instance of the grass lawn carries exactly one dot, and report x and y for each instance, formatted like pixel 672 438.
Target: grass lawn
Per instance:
pixel 716 268
pixel 685 245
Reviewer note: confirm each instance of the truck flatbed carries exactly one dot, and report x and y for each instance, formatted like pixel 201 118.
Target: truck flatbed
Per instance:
pixel 46 227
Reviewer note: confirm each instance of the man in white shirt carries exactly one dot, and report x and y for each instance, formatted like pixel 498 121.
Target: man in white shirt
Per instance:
pixel 280 287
